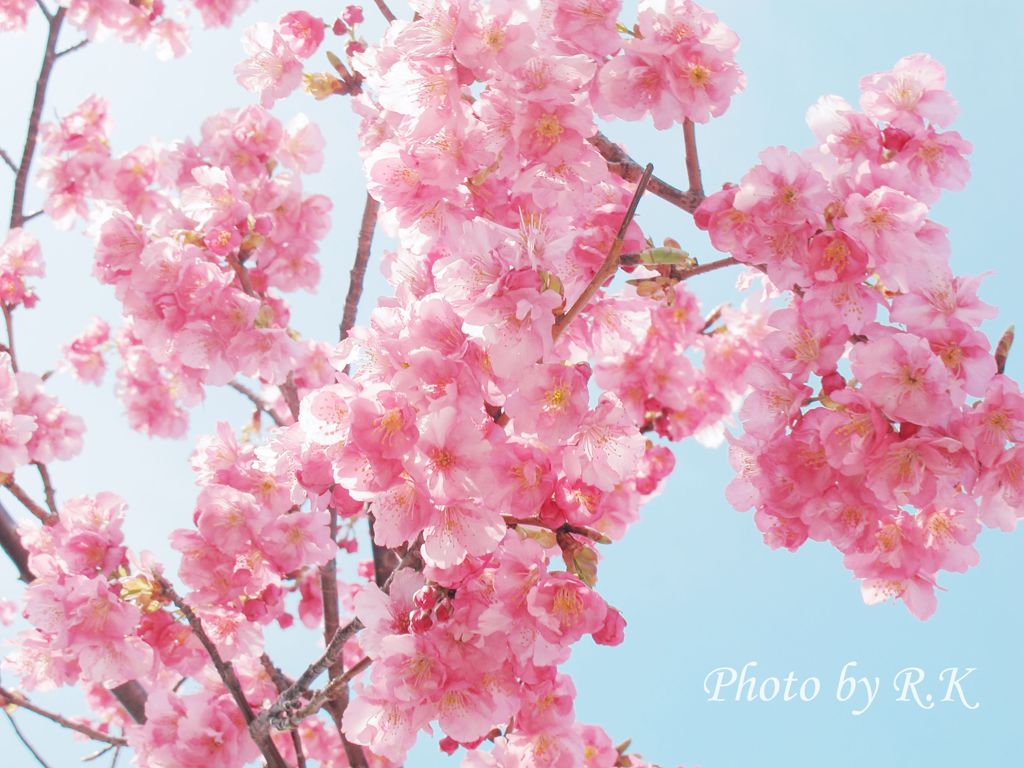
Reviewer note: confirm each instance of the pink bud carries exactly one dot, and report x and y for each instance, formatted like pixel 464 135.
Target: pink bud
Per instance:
pixel 352 15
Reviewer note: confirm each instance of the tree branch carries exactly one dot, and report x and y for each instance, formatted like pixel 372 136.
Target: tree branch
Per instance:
pixel 19 493
pixel 256 400
pixel 611 261
pixel 8 161
pixel 620 163
pixel 9 697
pixel 324 696
pixel 32 134
pixel 44 475
pixel 73 48
pixel 227 676
pixel 358 273
pixel 23 740
pixel 133 698
pixel 45 10
pixel 11 544
pixel 385 11
pixel 696 190
pixel 281 683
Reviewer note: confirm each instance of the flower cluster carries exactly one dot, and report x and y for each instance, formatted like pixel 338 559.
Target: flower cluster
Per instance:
pixel 195 239
pixel 34 427
pixel 887 439
pixel 149 22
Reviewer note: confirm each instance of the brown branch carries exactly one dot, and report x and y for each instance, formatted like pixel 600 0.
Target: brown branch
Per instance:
pixel 51 497
pixel 385 561
pixel 243 275
pixel 256 400
pixel 9 697
pixel 611 261
pixel 8 161
pixel 133 698
pixel 44 9
pixel 11 544
pixel 320 698
pixel 620 163
pixel 73 48
pixel 281 683
pixel 227 676
pixel 290 393
pixel 32 134
pixel 9 322
pixel 711 266
pixel 385 11
pixel 24 741
pixel 19 493
pixel 579 530
pixel 696 190
pixel 358 273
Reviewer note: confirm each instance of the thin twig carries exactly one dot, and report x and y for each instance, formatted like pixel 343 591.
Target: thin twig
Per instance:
pixel 696 190
pixel 51 497
pixel 322 697
pixel 117 755
pixel 23 740
pixel 27 218
pixel 9 697
pixel 10 543
pixel 358 273
pixel 256 400
pixel 621 163
pixel 385 11
pixel 290 393
pixel 19 493
pixel 9 322
pixel 711 266
pixel 99 753
pixel 32 134
pixel 227 676
pixel 73 48
pixel 7 159
pixel 611 261
pixel 281 683
pixel 45 10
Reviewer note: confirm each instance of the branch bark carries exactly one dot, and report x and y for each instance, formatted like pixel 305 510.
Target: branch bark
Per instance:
pixel 227 675
pixel 611 261
pixel 9 697
pixel 358 273
pixel 621 163
pixel 256 400
pixel 11 544
pixel 32 134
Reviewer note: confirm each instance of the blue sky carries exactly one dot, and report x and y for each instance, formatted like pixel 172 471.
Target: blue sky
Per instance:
pixel 696 584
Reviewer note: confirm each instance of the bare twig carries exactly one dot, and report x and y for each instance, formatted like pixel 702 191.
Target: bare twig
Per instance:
pixel 99 753
pixel 696 190
pixel 8 161
pixel 19 493
pixel 385 561
pixel 51 497
pixel 281 683
pixel 579 530
pixel 45 10
pixel 611 262
pixel 290 393
pixel 23 740
pixel 11 544
pixel 256 400
pixel 9 323
pixel 34 214
pixel 358 273
pixel 32 134
pixel 385 11
pixel 227 676
pixel 323 697
pixel 73 48
pixel 621 163
pixel 9 697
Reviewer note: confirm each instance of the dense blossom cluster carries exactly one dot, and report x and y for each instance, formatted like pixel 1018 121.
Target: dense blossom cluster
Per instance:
pixel 195 238
pixel 493 436
pixel 891 440
pixel 147 22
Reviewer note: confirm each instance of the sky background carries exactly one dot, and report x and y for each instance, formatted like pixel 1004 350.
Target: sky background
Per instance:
pixel 697 585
